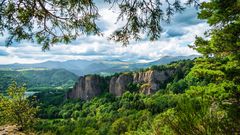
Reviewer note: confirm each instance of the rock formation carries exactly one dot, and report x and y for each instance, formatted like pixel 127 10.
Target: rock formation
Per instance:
pixel 119 84
pixel 86 87
pixel 90 86
pixel 151 79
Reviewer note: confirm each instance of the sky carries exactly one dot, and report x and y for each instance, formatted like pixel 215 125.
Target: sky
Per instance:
pixel 174 41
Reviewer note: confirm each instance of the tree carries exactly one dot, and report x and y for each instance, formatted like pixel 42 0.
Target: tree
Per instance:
pixel 119 126
pixel 15 108
pixel 224 34
pixel 48 22
pixel 211 104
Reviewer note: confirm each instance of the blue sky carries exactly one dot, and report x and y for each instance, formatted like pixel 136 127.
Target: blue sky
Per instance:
pixel 175 38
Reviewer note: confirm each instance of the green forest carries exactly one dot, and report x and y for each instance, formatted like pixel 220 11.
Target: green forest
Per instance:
pixel 202 98
pixel 37 79
pixel 188 104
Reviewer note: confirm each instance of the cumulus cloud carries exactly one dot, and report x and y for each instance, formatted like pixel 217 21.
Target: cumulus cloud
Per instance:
pixel 175 38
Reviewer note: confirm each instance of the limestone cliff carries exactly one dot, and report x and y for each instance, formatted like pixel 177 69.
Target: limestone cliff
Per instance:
pixel 119 84
pixel 151 79
pixel 86 87
pixel 91 86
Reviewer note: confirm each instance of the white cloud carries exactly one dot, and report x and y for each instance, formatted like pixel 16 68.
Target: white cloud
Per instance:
pixel 95 47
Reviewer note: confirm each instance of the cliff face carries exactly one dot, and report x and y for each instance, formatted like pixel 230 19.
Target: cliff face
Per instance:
pixel 152 76
pixel 90 86
pixel 151 79
pixel 119 84
pixel 86 88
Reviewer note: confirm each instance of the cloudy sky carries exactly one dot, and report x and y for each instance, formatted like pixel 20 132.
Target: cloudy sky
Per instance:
pixel 175 38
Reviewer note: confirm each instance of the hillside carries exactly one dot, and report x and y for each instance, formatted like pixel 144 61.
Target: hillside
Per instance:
pixel 37 78
pixel 105 111
pixel 151 100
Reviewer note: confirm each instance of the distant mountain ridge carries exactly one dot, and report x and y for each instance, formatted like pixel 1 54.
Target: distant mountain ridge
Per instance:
pixel 83 67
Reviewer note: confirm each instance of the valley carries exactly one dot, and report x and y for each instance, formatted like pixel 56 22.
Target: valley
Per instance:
pixel 37 79
pixel 115 104
pixel 120 67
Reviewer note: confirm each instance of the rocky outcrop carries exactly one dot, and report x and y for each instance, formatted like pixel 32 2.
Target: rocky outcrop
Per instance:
pixel 151 79
pixel 91 86
pixel 119 84
pixel 86 87
pixel 152 76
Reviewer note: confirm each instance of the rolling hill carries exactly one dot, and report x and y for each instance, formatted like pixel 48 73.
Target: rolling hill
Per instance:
pixel 38 78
